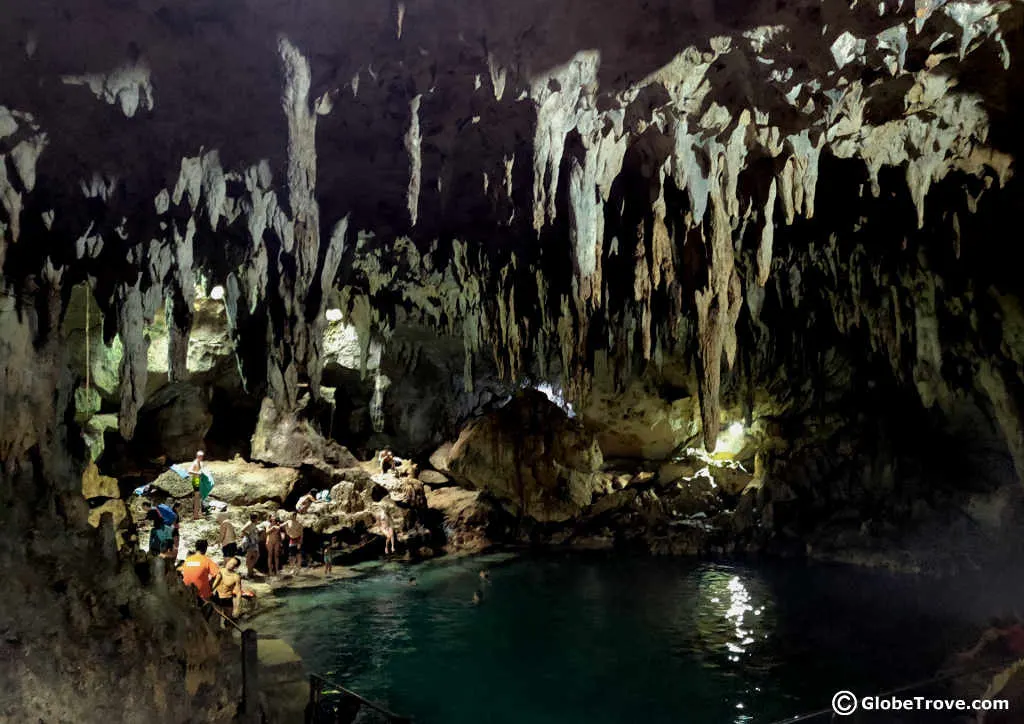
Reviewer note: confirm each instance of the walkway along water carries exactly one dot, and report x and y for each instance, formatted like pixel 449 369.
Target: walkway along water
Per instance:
pixel 275 689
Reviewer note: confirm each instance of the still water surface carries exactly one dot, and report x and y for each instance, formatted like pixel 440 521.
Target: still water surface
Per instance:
pixel 598 639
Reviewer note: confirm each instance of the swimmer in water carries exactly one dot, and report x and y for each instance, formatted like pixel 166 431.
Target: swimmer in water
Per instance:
pixel 412 581
pixel 478 598
pixel 484 575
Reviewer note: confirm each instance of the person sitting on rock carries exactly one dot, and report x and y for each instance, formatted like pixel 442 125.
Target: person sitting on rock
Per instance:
pixel 273 542
pixel 388 529
pixel 195 475
pixel 386 460
pixel 200 572
pixel 306 500
pixel 293 529
pixel 228 536
pixel 227 595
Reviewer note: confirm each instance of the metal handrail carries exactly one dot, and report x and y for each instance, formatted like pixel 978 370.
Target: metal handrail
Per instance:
pixel 223 615
pixel 366 702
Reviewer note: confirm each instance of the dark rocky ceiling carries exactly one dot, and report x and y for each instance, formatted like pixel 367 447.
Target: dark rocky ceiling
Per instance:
pixel 568 188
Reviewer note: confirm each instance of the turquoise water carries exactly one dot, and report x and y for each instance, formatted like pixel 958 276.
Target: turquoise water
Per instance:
pixel 602 639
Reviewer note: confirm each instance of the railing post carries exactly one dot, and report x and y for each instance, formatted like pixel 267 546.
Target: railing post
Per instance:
pixel 313 705
pixel 250 678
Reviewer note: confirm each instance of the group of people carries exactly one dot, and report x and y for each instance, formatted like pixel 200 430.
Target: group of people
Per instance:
pixel 273 535
pixel 220 586
pixel 276 535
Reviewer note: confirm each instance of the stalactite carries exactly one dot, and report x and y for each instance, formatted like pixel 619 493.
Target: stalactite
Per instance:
pixel 764 250
pixel 412 147
pixel 799 177
pixel 128 86
pixel 293 352
pixel 134 343
pixel 180 301
pixel 661 243
pixel 498 75
pixel 559 96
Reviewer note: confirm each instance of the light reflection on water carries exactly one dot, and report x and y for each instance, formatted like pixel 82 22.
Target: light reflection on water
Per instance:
pixel 596 640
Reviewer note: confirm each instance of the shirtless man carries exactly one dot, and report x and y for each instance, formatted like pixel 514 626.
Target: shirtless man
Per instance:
pixel 293 529
pixel 195 472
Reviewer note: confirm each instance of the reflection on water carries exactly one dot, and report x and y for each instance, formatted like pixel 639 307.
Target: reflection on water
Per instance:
pixel 604 639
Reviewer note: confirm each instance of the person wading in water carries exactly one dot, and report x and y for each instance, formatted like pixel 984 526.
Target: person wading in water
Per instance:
pixel 195 474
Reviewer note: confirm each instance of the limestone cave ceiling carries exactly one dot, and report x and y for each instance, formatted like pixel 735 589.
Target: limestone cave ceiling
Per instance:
pixel 570 188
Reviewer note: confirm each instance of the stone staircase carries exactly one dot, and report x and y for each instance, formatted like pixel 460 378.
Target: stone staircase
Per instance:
pixel 283 683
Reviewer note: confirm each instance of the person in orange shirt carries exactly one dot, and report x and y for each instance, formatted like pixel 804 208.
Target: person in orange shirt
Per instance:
pixel 200 571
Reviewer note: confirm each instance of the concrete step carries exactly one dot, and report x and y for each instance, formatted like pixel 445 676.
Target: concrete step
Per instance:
pixel 285 702
pixel 278 662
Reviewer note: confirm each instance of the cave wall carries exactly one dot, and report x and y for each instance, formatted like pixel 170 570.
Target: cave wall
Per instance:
pixel 87 634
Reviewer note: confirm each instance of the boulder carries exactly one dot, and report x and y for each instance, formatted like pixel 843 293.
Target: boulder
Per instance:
pixel 284 438
pixel 433 477
pixel 346 498
pixel 472 522
pixel 238 482
pixel 613 502
pixel 439 458
pixel 733 481
pixel 95 485
pixel 411 494
pixel 531 456
pixel 173 484
pixel 355 491
pixel 639 422
pixel 672 471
